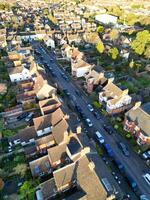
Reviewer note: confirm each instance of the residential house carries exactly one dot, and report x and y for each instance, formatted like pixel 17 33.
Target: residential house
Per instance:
pixel 29 96
pixel 49 42
pixel 24 136
pixel 40 167
pixel 79 174
pixel 60 131
pixel 49 105
pixel 42 87
pixel 80 68
pixel 43 124
pixel 18 74
pixel 93 79
pixel 137 122
pixel 57 155
pixel 44 143
pixel 73 38
pixel 3 42
pixel 115 99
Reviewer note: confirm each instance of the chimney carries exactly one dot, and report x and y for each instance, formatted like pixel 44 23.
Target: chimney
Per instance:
pixel 85 151
pixel 110 80
pixel 125 92
pixel 78 129
pixel 137 105
pixel 91 165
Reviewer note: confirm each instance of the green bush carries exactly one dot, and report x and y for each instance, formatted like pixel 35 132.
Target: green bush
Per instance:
pixel 96 104
pixel 99 150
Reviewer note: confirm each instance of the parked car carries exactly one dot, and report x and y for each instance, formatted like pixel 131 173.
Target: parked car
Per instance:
pixel 124 148
pixel 108 129
pixel 90 107
pixel 99 137
pixel 105 160
pixel 146 155
pixel 78 108
pixel 77 92
pixel 22 116
pixel 97 115
pixel 88 122
pixel 109 150
pixel 83 115
pixel 29 117
pixel 147 178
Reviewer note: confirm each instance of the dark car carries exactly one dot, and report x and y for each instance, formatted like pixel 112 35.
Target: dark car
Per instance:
pixel 83 115
pixel 97 115
pixel 77 92
pixel 78 108
pixel 123 148
pixel 108 129
pixel 22 116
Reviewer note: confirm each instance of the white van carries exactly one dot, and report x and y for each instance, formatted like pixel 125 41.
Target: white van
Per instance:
pixel 99 137
pixel 147 178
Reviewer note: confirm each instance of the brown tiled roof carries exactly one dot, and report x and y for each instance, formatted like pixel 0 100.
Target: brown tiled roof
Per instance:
pixel 14 57
pixel 141 118
pixel 44 140
pixel 48 188
pixel 80 64
pixel 26 96
pixel 25 134
pixel 65 175
pixel 49 105
pixel 111 90
pixel 40 165
pixel 48 120
pixel 15 70
pixel 56 153
pixel 89 181
pixel 59 130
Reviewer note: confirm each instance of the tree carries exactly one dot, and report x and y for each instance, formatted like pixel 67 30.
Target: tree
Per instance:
pixel 147 52
pixel 46 11
pixel 141 41
pixel 100 47
pixel 26 191
pixel 20 169
pixel 115 10
pixel 114 34
pixel 131 64
pixel 100 29
pixel 113 52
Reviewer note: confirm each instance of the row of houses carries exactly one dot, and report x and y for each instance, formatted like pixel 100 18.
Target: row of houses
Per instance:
pixel 56 155
pixel 113 98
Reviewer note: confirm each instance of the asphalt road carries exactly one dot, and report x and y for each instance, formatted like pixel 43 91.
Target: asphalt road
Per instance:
pixel 133 164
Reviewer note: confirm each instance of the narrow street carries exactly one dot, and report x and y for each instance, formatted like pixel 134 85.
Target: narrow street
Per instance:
pixel 133 164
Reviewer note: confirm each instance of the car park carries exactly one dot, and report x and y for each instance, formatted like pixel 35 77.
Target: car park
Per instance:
pixel 91 109
pixel 97 115
pixel 88 122
pixel 99 137
pixel 124 148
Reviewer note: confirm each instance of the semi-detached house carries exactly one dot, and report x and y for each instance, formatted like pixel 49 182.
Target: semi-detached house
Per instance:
pixel 115 100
